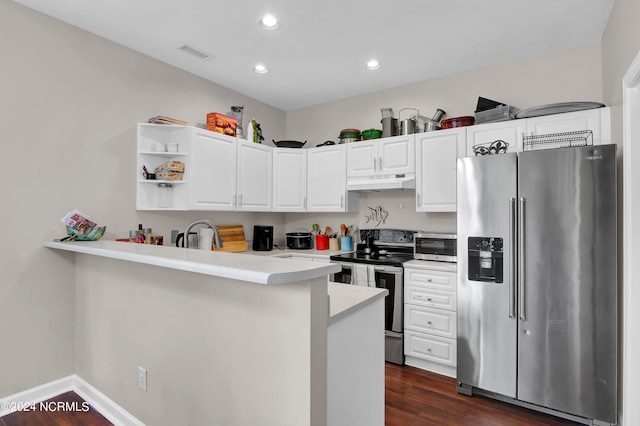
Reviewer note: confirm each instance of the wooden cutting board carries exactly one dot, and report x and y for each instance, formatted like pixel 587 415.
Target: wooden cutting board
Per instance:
pixel 233 239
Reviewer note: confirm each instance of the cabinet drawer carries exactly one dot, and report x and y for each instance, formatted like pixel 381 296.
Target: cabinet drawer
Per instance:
pixel 431 298
pixel 432 321
pixel 432 279
pixel 431 348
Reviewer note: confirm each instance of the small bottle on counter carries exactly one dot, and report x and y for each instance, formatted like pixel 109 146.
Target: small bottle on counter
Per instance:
pixel 140 239
pixel 147 233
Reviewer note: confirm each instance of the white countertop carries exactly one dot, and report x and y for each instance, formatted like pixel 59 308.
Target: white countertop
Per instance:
pixel 259 269
pixel 287 252
pixel 344 299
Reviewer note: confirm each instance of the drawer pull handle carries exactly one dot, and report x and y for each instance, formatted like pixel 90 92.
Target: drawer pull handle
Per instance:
pixel 429 322
pixel 428 349
pixel 429 299
pixel 429 279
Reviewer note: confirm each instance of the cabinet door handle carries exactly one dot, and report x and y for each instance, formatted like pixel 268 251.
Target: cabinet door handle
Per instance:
pixel 521 257
pixel 375 162
pixel 380 163
pixel 240 202
pixel 235 200
pixel 342 201
pixel 512 256
pixel 417 199
pixel 304 202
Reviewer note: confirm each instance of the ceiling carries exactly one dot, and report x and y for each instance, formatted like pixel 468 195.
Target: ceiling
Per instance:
pixel 319 52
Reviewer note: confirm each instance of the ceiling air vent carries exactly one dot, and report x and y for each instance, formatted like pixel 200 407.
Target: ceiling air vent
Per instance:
pixel 195 52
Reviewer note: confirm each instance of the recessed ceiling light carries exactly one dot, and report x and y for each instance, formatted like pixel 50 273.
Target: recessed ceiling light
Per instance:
pixel 373 65
pixel 260 69
pixel 269 22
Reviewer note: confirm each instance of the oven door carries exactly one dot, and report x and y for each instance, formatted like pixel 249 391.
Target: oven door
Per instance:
pixel 345 276
pixel 391 278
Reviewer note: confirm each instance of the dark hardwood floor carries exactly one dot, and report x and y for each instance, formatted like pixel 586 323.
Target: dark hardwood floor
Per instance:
pixel 413 397
pixel 419 398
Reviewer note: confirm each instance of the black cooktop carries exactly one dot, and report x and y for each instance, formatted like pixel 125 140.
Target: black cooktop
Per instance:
pixel 381 247
pixel 395 259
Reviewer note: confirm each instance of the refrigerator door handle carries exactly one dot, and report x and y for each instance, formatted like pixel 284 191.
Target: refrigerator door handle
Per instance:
pixel 512 257
pixel 521 257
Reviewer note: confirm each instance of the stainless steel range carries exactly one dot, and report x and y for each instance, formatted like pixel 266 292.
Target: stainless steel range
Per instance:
pixel 377 262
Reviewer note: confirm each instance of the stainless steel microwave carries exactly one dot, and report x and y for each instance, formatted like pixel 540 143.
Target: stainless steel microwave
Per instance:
pixel 435 246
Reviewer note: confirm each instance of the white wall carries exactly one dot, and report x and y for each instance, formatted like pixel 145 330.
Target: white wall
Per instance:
pixel 568 75
pixel 620 45
pixel 399 205
pixel 69 104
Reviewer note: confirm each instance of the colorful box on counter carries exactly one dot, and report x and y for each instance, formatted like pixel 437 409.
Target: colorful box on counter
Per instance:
pixel 221 123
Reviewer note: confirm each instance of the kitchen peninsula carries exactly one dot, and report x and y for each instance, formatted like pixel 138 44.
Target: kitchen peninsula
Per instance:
pixel 225 338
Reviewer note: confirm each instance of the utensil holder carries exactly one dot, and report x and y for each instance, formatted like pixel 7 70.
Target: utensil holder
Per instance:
pixel 334 244
pixel 346 244
pixel 322 242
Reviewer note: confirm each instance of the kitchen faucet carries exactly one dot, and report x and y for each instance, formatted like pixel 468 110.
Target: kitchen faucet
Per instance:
pixel 216 233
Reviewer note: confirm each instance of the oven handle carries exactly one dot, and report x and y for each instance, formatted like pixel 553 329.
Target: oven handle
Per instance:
pixel 388 268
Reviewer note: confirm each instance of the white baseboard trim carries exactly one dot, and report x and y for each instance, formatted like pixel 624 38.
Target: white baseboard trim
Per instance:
pixel 99 401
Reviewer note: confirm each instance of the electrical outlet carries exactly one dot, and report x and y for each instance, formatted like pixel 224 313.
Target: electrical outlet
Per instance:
pixel 142 379
pixel 174 235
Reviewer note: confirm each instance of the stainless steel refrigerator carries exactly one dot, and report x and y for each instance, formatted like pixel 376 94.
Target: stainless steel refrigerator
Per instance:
pixel 537 281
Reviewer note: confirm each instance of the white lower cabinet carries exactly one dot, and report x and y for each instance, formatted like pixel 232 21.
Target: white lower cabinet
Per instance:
pixel 430 316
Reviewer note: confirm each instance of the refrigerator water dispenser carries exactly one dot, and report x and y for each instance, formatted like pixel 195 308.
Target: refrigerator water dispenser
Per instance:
pixel 485 259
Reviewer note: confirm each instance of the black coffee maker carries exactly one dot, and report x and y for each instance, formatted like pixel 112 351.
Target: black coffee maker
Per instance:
pixel 262 237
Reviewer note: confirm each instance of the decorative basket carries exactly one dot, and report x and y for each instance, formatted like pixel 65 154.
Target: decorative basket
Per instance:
pixel 495 147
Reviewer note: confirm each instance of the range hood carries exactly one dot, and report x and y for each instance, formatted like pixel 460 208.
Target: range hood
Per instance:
pixel 397 183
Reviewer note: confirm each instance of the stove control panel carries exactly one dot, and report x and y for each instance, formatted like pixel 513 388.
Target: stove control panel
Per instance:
pixel 392 236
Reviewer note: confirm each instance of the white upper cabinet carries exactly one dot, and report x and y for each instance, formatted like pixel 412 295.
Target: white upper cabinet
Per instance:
pixel 213 170
pixel 597 120
pixel 436 156
pixel 327 180
pixel 511 132
pixel 381 157
pixel 397 155
pixel 289 179
pixel 254 177
pixel 362 159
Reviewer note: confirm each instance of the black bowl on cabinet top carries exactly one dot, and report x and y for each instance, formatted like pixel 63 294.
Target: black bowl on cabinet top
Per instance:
pixel 289 144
